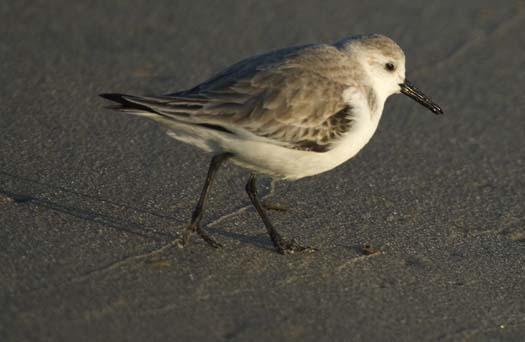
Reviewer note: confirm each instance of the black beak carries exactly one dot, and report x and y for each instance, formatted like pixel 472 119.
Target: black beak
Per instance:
pixel 415 94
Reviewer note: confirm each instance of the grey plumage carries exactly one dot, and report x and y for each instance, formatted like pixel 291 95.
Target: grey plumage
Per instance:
pixel 291 96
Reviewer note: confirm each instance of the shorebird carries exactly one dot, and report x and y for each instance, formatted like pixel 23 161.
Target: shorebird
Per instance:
pixel 288 114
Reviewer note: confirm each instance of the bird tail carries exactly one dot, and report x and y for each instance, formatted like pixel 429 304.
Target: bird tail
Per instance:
pixel 122 101
pixel 175 114
pixel 179 109
pixel 131 104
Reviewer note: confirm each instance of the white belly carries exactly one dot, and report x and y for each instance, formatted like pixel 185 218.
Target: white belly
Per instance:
pixel 288 163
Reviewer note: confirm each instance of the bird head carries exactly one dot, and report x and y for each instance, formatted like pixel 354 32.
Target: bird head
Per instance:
pixel 384 62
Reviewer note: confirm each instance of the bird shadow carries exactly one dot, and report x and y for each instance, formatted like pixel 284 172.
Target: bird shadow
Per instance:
pixel 117 223
pixel 88 215
pixel 83 195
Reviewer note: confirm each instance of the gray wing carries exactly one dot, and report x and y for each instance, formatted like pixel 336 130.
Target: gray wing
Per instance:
pixel 291 96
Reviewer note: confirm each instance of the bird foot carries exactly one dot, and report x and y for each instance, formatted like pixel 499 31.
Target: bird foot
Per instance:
pixel 206 237
pixel 193 228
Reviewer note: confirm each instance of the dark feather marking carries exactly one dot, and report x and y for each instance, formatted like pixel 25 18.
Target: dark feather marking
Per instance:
pixel 371 98
pixel 124 103
pixel 322 138
pixel 185 106
pixel 308 145
pixel 215 127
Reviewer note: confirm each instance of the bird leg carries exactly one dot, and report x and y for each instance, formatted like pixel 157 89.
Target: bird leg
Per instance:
pixel 281 245
pixel 194 226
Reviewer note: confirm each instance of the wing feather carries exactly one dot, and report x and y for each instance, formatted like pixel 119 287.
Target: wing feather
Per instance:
pixel 292 96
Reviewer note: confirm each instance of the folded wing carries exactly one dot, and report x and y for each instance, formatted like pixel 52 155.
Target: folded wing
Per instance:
pixel 292 97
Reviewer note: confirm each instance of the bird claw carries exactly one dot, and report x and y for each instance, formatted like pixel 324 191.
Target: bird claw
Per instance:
pixel 211 241
pixel 192 228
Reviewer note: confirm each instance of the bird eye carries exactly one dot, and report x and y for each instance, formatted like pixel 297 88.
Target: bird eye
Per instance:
pixel 390 67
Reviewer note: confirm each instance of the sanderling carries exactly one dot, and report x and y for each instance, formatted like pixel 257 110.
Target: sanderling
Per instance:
pixel 289 114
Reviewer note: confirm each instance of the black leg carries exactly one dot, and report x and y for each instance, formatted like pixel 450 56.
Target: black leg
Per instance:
pixel 283 246
pixel 196 217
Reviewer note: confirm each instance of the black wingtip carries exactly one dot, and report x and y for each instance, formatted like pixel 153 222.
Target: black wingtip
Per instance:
pixel 124 102
pixel 119 98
